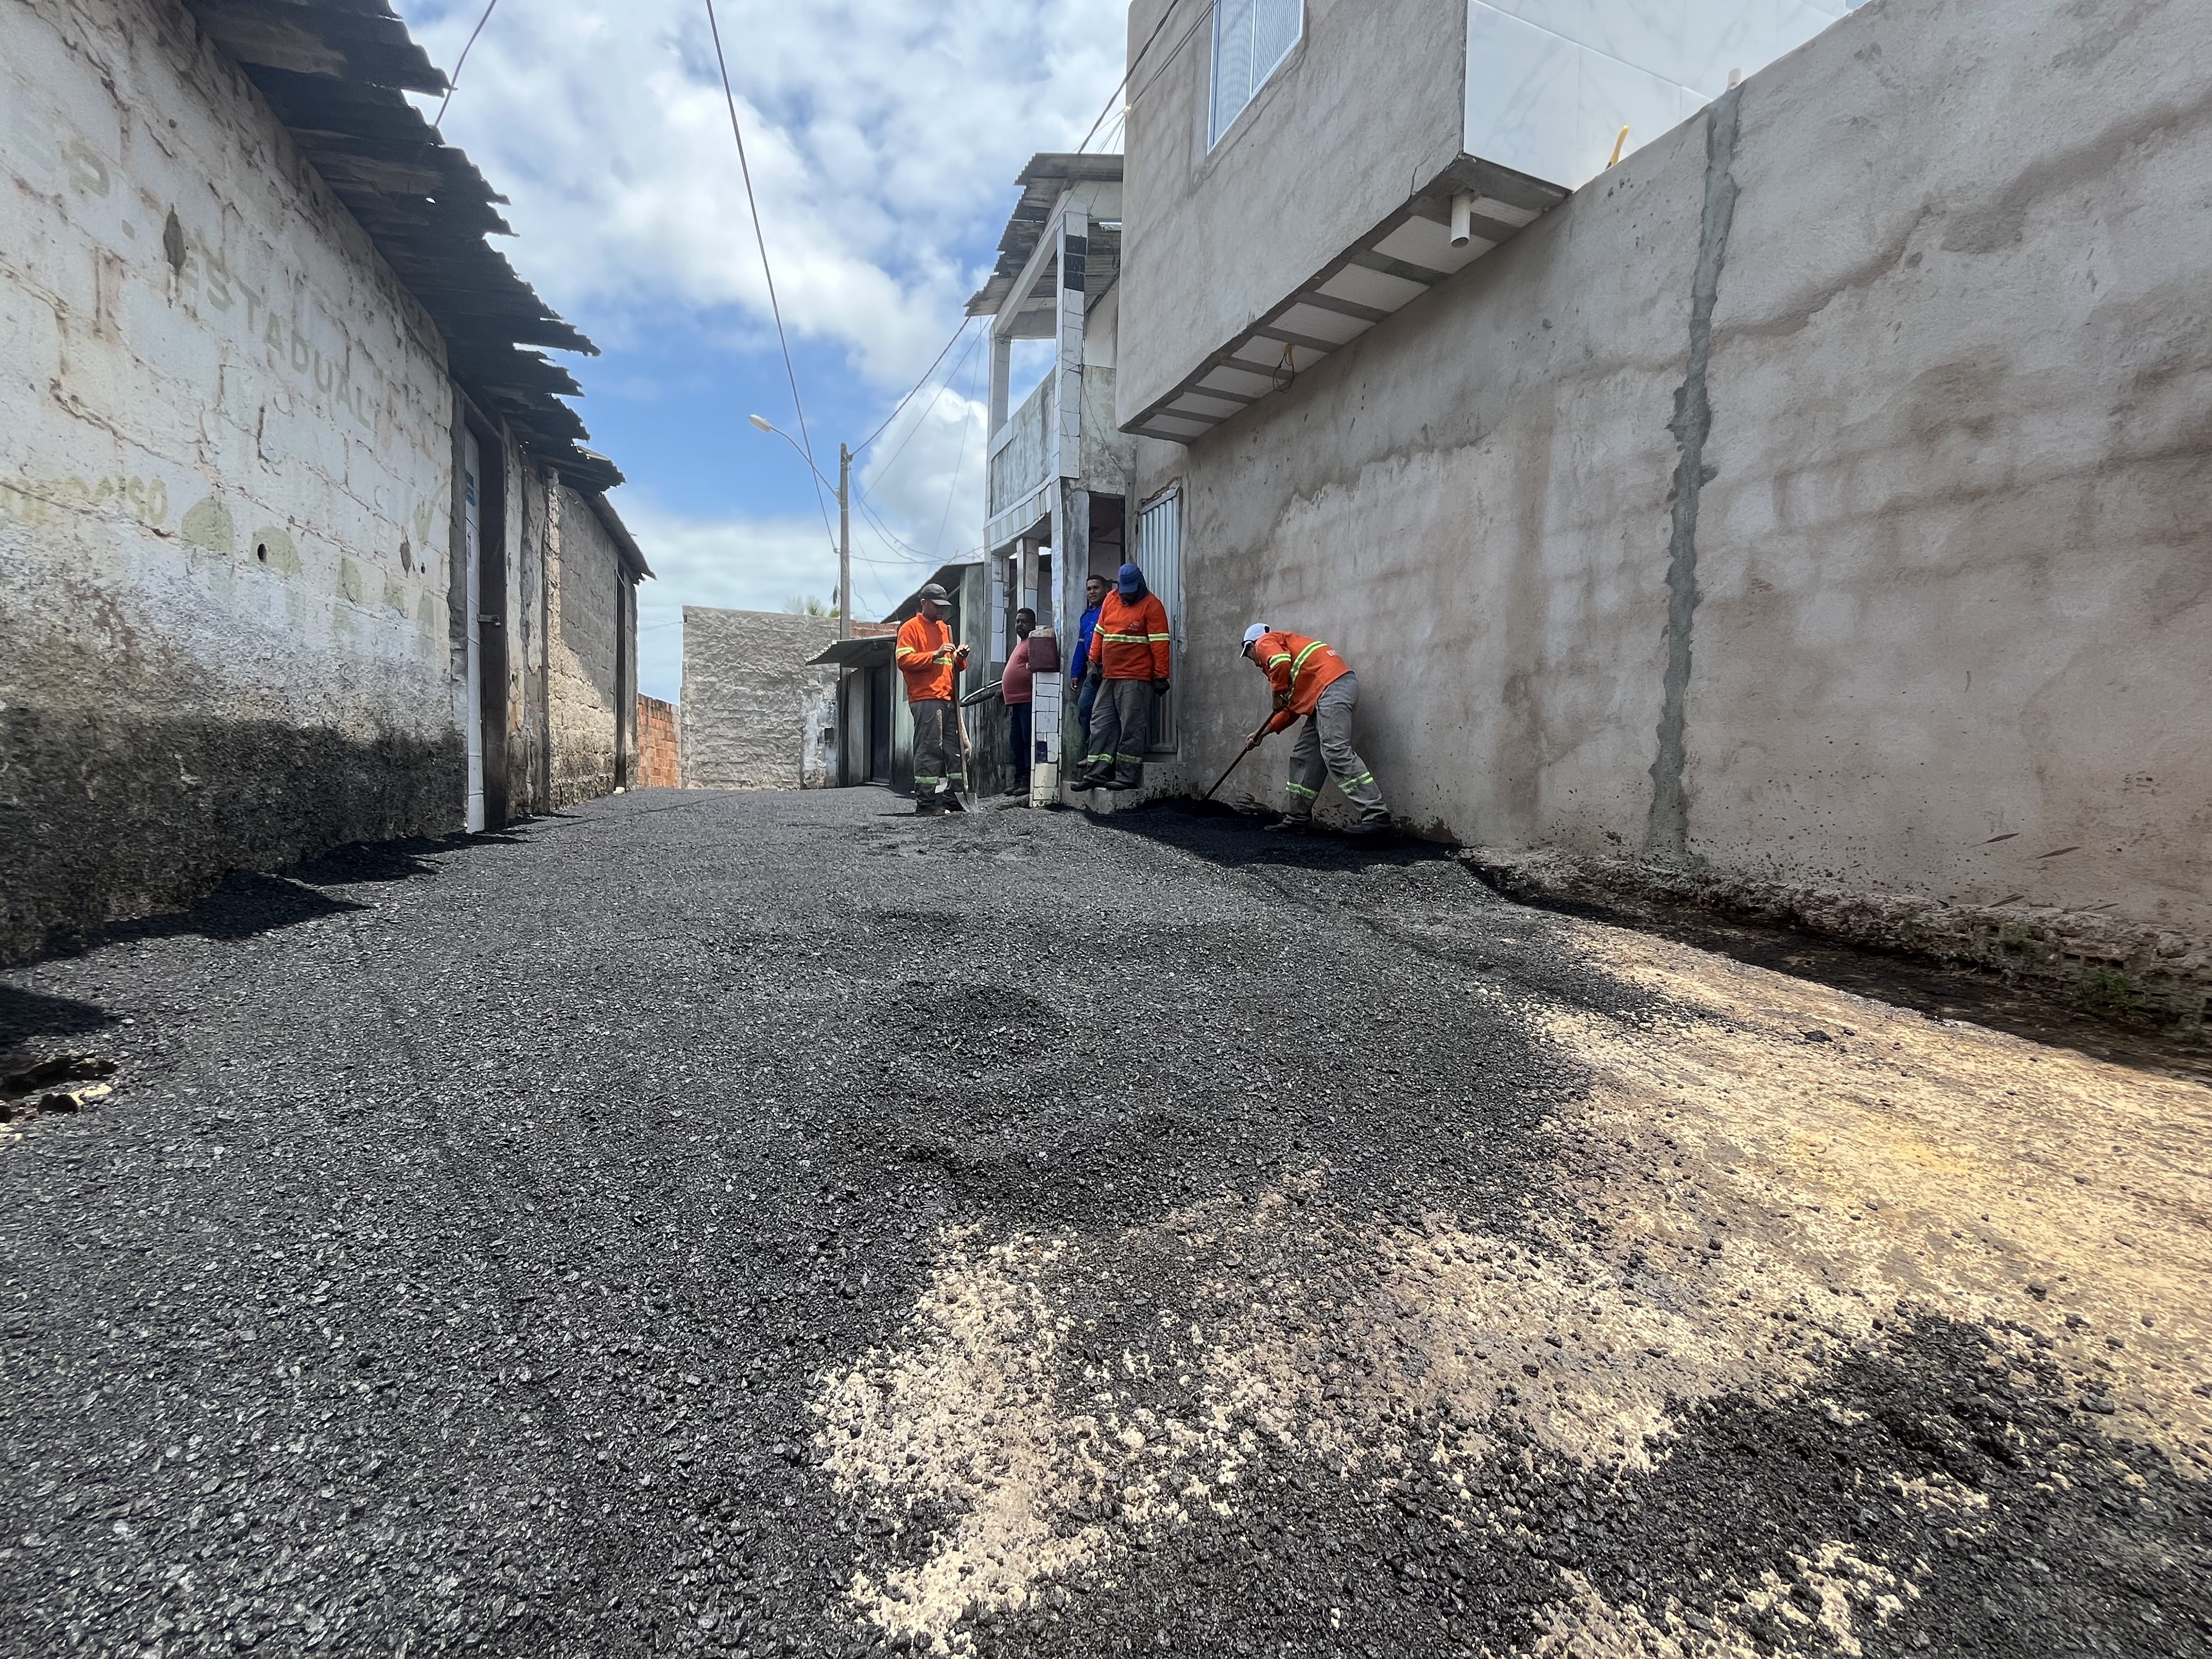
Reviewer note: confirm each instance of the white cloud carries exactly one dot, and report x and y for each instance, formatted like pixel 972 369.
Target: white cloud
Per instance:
pixel 924 477
pixel 883 138
pixel 745 563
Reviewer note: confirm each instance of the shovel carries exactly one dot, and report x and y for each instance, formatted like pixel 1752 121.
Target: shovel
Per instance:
pixel 967 759
pixel 1251 743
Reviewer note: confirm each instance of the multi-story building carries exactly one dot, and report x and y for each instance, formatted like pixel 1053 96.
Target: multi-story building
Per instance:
pixel 1799 498
pixel 1060 501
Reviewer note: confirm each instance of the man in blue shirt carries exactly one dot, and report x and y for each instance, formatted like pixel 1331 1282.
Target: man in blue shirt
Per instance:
pixel 1094 595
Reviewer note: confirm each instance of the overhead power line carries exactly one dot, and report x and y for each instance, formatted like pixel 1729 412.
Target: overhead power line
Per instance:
pixel 917 386
pixel 944 386
pixel 1176 51
pixel 760 239
pixel 1134 64
pixel 454 81
pixel 952 490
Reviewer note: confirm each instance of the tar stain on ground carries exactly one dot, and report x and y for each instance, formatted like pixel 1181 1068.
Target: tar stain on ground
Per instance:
pixel 770 1228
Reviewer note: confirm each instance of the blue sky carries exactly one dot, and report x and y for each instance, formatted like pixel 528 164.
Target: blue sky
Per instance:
pixel 884 137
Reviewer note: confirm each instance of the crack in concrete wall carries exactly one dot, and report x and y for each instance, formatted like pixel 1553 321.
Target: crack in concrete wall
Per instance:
pixel 1667 833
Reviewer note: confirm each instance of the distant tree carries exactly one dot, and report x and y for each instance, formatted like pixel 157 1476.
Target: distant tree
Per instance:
pixel 808 605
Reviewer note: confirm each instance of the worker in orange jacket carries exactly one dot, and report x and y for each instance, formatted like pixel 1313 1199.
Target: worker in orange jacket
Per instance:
pixel 1129 665
pixel 928 659
pixel 1314 685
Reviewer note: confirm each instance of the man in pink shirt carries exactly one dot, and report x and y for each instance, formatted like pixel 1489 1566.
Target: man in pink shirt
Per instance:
pixel 1015 690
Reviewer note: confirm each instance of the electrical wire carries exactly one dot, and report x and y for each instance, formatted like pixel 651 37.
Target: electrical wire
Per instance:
pixel 1134 64
pixel 454 81
pixel 890 537
pixel 917 386
pixel 900 447
pixel 1175 53
pixel 952 492
pixel 760 239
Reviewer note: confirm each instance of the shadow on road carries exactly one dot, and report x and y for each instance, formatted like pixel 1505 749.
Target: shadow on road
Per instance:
pixel 247 903
pixel 1233 840
pixel 25 1014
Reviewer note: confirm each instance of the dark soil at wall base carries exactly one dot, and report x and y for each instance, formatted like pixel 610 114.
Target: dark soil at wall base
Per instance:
pixel 110 814
pixel 663 1228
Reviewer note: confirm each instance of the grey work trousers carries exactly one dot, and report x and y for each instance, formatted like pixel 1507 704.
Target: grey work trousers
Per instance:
pixel 937 759
pixel 1323 751
pixel 1120 727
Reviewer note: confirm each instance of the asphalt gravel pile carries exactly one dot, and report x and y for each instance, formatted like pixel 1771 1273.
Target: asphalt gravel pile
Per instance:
pixel 767 1224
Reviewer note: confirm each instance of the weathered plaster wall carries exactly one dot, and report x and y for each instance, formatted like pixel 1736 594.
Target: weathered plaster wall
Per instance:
pixel 1821 501
pixel 753 713
pixel 224 486
pixel 589 584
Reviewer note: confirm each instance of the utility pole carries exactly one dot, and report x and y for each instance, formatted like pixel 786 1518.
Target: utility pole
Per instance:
pixel 844 543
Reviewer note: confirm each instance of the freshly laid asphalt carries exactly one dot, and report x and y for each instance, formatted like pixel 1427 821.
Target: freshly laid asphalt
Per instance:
pixel 764 1223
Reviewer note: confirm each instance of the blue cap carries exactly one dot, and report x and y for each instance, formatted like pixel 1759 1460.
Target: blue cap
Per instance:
pixel 1131 582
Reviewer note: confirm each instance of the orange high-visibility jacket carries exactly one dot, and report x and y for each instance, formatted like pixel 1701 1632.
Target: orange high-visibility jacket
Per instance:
pixel 1300 670
pixel 1131 640
pixel 919 642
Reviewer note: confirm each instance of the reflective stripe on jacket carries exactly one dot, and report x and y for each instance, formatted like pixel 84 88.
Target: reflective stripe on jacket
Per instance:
pixel 1300 670
pixel 919 642
pixel 1131 640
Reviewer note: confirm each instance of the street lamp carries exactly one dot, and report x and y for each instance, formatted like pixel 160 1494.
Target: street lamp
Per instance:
pixel 843 487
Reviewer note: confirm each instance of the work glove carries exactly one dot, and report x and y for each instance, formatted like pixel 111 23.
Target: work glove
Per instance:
pixel 1160 688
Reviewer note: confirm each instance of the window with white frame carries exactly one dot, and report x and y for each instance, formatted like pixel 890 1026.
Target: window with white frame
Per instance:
pixel 1251 38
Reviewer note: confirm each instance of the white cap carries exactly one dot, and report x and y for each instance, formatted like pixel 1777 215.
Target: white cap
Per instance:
pixel 1252 635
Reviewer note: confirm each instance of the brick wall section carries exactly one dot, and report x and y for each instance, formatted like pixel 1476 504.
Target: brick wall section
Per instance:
pixel 754 716
pixel 657 767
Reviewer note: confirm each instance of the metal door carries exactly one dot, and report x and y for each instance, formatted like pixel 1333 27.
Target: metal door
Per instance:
pixel 472 577
pixel 1159 555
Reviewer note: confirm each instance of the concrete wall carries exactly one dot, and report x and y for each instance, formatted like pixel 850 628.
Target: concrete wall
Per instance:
pixel 753 715
pixel 224 488
pixel 1369 107
pixel 1819 503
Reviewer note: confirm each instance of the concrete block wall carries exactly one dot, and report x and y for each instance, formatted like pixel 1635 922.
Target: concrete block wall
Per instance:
pixel 1816 508
pixel 753 715
pixel 224 488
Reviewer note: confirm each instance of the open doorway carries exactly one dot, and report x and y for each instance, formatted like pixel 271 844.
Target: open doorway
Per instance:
pixel 483 574
pixel 880 725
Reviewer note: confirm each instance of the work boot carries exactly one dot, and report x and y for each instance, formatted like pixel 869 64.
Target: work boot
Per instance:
pixel 1373 823
pixel 1289 825
pixel 927 809
pixel 953 803
pixel 1082 782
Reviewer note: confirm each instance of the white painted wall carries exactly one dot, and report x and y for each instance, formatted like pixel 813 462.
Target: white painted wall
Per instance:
pixel 224 473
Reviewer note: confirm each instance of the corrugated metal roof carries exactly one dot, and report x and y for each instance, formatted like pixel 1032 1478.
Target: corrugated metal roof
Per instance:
pixel 1042 180
pixel 334 71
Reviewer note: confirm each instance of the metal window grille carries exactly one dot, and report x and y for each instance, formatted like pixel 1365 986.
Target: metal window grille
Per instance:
pixel 1159 555
pixel 1251 38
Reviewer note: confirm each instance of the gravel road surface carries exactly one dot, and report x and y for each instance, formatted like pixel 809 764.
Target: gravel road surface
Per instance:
pixel 769 1224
